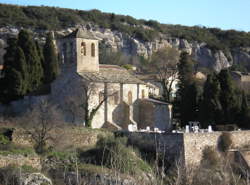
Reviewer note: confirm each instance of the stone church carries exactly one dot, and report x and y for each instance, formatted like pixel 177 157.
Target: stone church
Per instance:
pixel 121 98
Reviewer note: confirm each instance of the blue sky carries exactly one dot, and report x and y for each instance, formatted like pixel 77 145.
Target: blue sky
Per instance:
pixel 225 14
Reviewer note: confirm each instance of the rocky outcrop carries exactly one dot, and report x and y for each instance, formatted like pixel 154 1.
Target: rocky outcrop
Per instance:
pixel 36 179
pixel 206 57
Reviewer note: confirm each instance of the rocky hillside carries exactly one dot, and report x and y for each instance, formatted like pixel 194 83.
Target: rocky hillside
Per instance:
pixel 211 47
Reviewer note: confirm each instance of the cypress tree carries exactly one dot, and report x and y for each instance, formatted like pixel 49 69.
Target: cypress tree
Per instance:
pixel 51 68
pixel 210 107
pixel 228 97
pixel 34 66
pixel 21 67
pixel 9 56
pixel 15 71
pixel 243 117
pixel 15 87
pixel 187 95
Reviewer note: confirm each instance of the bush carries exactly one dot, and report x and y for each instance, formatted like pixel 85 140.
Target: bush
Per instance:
pixel 4 140
pixel 209 156
pixel 128 66
pixel 225 142
pixel 9 175
pixel 114 153
pixel 14 149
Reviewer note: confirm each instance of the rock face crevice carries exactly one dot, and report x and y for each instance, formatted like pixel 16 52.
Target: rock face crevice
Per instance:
pixel 117 41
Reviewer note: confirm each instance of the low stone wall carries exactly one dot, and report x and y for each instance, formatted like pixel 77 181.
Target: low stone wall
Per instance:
pixel 190 146
pixel 63 137
pixel 194 143
pixel 20 160
pixel 171 143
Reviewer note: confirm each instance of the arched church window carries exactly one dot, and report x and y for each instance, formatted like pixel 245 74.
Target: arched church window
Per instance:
pixel 83 48
pixel 93 50
pixel 130 98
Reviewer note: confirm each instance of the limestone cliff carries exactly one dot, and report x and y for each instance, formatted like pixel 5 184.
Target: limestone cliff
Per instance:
pixel 206 57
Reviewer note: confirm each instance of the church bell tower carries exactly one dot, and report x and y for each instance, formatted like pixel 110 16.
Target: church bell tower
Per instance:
pixel 80 51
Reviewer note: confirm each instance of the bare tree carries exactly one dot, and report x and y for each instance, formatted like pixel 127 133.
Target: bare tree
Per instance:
pixel 87 100
pixel 39 124
pixel 164 63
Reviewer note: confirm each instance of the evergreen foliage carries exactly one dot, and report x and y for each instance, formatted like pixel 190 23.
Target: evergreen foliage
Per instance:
pixel 14 83
pixel 33 60
pixel 228 97
pixel 53 18
pixel 51 68
pixel 222 102
pixel 23 67
pixel 188 93
pixel 243 117
pixel 210 108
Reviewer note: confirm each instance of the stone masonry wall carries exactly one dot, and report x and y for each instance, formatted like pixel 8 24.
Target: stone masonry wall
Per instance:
pixel 187 145
pixel 64 137
pixel 171 143
pixel 20 160
pixel 194 143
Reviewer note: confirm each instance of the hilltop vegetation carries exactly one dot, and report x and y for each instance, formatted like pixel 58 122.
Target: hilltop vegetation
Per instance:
pixel 53 18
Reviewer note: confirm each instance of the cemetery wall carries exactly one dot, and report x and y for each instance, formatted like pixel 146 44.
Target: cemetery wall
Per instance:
pixel 188 146
pixel 195 143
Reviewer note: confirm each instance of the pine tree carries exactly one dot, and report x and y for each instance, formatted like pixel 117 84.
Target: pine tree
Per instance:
pixel 51 68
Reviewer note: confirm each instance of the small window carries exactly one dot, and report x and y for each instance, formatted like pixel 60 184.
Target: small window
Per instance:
pixel 143 93
pixel 93 50
pixel 83 48
pixel 130 99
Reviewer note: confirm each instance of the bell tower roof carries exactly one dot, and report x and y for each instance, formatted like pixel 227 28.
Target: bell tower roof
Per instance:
pixel 80 33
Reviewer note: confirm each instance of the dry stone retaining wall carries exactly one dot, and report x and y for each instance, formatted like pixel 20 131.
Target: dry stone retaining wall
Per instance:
pixel 20 160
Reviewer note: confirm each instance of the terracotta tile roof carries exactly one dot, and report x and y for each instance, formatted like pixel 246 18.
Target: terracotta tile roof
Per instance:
pixel 111 74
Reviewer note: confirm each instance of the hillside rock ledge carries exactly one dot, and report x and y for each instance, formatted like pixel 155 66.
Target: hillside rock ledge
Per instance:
pixel 36 179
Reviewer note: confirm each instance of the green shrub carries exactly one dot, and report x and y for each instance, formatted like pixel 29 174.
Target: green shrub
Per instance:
pixel 128 66
pixel 114 153
pixel 14 149
pixel 4 140
pixel 58 155
pixel 28 169
pixel 225 142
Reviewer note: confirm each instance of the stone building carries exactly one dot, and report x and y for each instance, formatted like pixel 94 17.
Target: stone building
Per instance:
pixel 121 97
pixel 242 80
